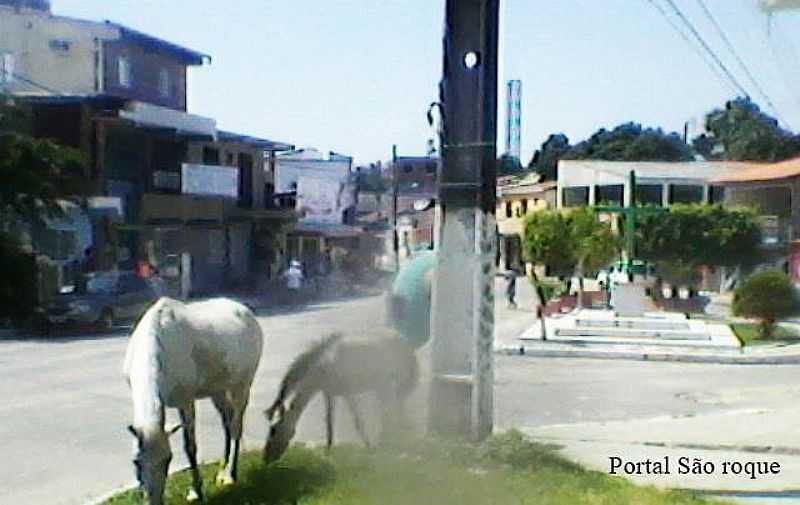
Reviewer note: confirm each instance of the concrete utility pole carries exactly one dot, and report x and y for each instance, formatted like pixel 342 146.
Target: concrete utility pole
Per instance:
pixel 462 319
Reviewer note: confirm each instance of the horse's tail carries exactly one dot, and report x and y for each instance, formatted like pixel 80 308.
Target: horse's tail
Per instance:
pixel 300 367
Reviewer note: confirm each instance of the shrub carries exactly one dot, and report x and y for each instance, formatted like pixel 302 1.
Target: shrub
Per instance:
pixel 766 296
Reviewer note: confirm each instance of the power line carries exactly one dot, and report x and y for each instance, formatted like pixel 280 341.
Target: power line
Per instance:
pixel 703 56
pixel 782 69
pixel 708 49
pixel 741 62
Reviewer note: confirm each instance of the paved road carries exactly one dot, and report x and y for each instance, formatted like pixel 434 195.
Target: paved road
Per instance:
pixel 66 404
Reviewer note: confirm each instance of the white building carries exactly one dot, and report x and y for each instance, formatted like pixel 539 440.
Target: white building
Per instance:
pixel 323 190
pixel 593 182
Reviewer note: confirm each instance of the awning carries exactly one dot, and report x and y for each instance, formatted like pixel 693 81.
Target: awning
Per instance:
pixel 329 230
pixel 183 123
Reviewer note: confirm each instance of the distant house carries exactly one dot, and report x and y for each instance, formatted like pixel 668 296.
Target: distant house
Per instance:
pixel 322 189
pixel 773 189
pixel 414 173
pixel 516 198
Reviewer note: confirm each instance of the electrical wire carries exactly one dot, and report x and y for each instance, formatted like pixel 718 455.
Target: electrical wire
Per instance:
pixel 741 62
pixel 789 76
pixel 708 49
pixel 697 50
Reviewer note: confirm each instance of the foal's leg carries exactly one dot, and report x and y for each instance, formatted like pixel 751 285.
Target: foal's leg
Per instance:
pixel 329 413
pixel 190 445
pixel 351 402
pixel 225 412
pixel 238 402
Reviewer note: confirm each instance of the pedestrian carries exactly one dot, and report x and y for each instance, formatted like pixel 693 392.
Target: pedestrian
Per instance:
pixel 511 287
pixel 294 279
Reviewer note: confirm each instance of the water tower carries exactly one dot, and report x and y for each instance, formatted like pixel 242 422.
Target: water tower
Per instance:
pixel 514 118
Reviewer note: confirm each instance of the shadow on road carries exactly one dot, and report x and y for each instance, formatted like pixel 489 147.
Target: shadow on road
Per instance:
pixel 67 335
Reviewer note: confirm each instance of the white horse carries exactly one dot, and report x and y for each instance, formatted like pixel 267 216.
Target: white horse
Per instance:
pixel 179 352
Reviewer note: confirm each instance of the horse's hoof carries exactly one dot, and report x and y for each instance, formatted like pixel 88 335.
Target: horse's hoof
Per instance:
pixel 224 479
pixel 192 496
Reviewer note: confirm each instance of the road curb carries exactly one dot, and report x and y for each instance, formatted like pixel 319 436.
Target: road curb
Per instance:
pixel 128 487
pixel 660 356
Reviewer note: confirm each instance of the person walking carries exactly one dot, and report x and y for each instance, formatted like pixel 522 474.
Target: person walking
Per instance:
pixel 294 280
pixel 511 287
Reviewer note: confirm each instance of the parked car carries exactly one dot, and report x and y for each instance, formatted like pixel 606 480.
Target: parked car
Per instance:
pixel 106 298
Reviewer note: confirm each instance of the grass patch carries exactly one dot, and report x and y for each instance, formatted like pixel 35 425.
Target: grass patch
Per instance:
pixel 507 469
pixel 748 334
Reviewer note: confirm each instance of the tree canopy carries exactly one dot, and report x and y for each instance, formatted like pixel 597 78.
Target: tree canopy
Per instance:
pixel 626 142
pixel 741 131
pixel 34 173
pixel 632 142
pixel 568 241
pixel 691 235
pixel 508 165
pixel 545 159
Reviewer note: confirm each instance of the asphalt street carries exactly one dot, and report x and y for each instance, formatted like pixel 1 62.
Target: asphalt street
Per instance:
pixel 66 403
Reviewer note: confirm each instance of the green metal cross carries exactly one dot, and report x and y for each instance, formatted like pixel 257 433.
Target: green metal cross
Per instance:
pixel 631 213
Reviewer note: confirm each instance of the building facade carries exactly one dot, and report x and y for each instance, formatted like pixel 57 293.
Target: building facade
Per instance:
pixel 166 187
pixel 515 200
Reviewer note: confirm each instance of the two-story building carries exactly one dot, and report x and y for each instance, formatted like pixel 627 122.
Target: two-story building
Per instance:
pixel 166 184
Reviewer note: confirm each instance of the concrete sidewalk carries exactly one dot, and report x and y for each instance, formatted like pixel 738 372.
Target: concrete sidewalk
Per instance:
pixel 759 355
pixel 743 435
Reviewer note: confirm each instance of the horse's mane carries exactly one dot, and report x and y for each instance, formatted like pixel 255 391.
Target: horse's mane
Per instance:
pixel 302 363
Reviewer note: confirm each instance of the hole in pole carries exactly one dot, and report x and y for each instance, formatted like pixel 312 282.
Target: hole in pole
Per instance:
pixel 472 59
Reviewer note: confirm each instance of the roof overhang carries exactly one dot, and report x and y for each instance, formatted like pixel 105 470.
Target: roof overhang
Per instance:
pixel 162 118
pixel 265 144
pixel 186 55
pixel 327 230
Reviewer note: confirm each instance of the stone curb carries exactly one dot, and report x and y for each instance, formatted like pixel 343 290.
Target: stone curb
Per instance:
pixel 658 355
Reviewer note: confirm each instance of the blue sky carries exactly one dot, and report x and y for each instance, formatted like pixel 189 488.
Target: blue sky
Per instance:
pixel 356 76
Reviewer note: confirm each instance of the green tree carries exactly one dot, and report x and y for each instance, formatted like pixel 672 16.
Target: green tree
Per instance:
pixel 632 142
pixel 594 244
pixel 35 174
pixel 766 296
pixel 694 235
pixel 508 165
pixel 742 132
pixel 567 243
pixel 545 159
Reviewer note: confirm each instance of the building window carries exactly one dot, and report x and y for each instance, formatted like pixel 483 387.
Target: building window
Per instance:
pixel 408 168
pixel 164 85
pixel 59 45
pixel 685 193
pixel 524 206
pixel 210 156
pixel 6 68
pixel 716 194
pixel 508 209
pixel 229 160
pixel 124 71
pixel 430 168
